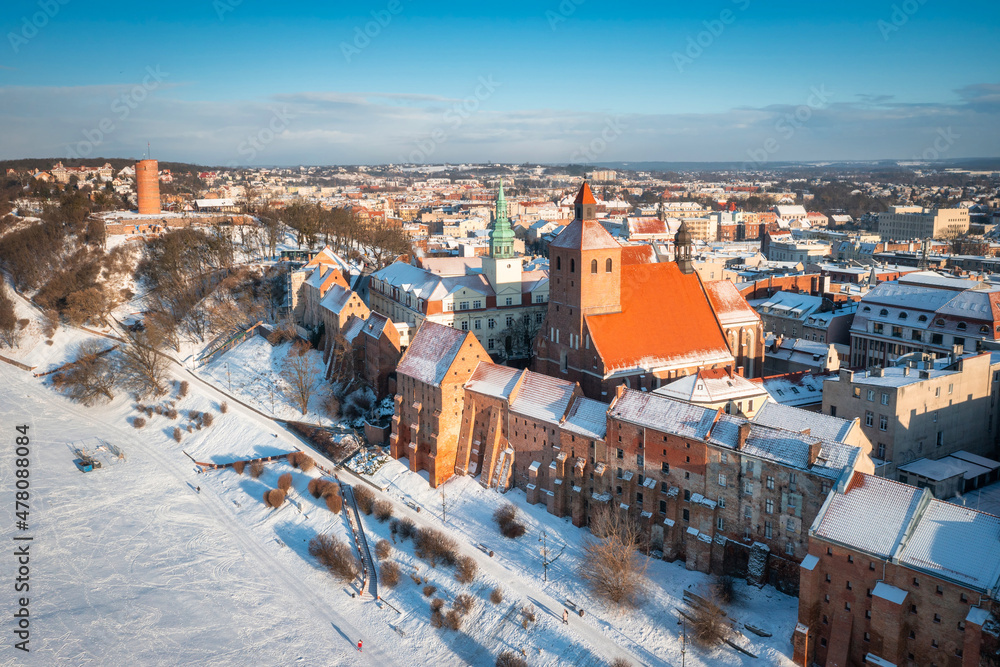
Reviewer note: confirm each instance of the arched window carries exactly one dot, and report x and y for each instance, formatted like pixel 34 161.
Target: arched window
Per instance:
pixel 984 329
pixel 922 318
pixel 939 322
pixel 902 315
pixel 961 326
pixel 558 263
pixel 883 312
pixel 593 266
pixel 572 265
pixel 607 266
pixel 866 309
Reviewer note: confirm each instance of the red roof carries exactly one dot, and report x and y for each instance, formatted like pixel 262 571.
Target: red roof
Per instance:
pixel 730 306
pixel 585 196
pixel 673 314
pixel 638 254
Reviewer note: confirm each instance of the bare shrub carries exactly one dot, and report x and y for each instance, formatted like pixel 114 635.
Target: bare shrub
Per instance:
pixel 365 498
pixel 158 409
pixel 256 469
pixel 383 510
pixel 188 428
pixel 727 591
pixel 621 662
pixel 407 528
pixel 528 615
pixel 506 518
pixel 238 466
pixel 463 603
pixel 138 422
pixel 382 549
pixel 496 595
pixel 149 412
pixel 453 620
pixel 430 590
pixel 224 408
pixel 285 482
pixel 437 620
pixel 207 419
pixel 435 547
pixel 334 503
pixel 388 573
pixel 314 487
pixel 335 555
pixel 302 461
pixel 610 566
pixel 274 498
pixel 436 604
pixel 513 530
pixel 194 415
pixel 466 569
pixel 415 579
pixel 177 433
pixel 171 413
pixel 707 626
pixel 510 659
pixel 183 390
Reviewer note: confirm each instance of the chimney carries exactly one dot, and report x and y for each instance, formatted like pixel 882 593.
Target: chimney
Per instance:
pixel 619 390
pixel 729 370
pixel 906 371
pixel 846 375
pixel 814 452
pixel 744 433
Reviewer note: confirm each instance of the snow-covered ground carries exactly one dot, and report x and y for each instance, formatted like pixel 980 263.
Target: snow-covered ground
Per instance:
pixel 252 372
pixel 132 565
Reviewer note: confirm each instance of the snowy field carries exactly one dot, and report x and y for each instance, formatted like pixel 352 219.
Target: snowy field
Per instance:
pixel 252 372
pixel 131 565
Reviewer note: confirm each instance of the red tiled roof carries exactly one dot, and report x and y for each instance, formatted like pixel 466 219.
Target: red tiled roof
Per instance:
pixel 638 254
pixel 585 196
pixel 673 314
pixel 728 303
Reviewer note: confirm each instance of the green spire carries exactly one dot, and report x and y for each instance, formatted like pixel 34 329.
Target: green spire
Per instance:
pixel 501 235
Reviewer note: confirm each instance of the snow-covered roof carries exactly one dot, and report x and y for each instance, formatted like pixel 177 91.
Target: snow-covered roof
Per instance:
pixel 796 389
pixel 709 386
pixel 493 380
pixel 431 352
pixel 820 425
pixel 889 592
pixel 873 515
pixel 956 543
pixel 588 418
pixel 543 397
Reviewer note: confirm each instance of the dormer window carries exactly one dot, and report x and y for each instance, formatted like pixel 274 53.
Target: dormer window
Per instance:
pixel 962 326
pixel 902 316
pixel 866 309
pixel 922 318
pixel 883 313
pixel 939 322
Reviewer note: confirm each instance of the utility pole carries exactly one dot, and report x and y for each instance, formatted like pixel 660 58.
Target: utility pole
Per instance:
pixel 545 555
pixel 684 639
pixel 229 378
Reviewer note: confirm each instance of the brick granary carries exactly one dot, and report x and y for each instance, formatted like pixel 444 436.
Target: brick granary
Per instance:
pixel 895 577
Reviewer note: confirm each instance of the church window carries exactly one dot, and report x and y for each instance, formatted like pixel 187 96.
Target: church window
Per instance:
pixel 572 265
pixel 607 266
pixel 558 263
pixel 593 266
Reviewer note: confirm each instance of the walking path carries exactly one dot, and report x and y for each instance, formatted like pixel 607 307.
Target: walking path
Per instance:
pixel 366 555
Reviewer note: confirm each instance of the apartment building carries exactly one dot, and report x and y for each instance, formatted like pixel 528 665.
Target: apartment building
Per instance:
pixel 902 223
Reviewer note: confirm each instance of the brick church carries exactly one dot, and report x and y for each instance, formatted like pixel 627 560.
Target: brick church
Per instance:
pixel 616 320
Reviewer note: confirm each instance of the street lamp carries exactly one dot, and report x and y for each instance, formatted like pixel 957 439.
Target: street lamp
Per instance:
pixel 229 377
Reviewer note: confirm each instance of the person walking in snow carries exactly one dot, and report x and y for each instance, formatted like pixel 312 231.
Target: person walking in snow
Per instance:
pixel 565 616
pixel 359 646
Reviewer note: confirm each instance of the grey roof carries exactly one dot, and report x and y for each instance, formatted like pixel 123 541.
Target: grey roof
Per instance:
pixel 663 414
pixel 820 425
pixel 431 352
pixel 588 418
pixel 543 397
pixel 493 380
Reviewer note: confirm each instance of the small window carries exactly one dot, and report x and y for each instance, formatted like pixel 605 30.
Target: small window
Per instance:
pixel 572 265
pixel 593 266
pixel 937 618
pixel 962 326
pixel 883 312
pixel 902 316
pixel 607 266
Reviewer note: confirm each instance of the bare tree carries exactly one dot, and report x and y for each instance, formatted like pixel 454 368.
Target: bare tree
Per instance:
pixel 301 374
pixel 92 376
pixel 144 367
pixel 10 332
pixel 611 566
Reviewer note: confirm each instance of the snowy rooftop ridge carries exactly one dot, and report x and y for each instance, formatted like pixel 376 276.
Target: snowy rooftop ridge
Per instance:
pixel 907 525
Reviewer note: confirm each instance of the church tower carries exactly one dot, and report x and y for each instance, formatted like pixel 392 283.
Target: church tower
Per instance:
pixel 502 268
pixel 584 279
pixel 682 249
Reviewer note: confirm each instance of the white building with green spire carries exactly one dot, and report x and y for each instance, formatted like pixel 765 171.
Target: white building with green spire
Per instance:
pixel 500 302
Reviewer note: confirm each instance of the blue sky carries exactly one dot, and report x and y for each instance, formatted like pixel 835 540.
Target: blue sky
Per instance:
pixel 225 81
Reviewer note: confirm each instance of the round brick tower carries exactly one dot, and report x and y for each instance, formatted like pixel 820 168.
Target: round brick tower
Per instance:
pixel 147 181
